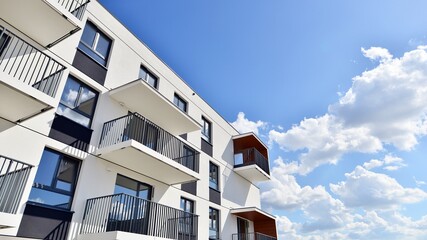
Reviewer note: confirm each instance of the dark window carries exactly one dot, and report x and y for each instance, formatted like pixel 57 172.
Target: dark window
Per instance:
pixel 206 129
pixel 213 176
pixel 188 157
pixel 132 187
pixel 95 44
pixel 4 41
pixel 147 76
pixel 186 221
pixel 180 103
pixel 213 223
pixel 242 229
pixel 55 180
pixel 78 102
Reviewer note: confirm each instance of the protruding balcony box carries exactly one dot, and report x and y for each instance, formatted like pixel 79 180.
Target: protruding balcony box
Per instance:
pixel 140 97
pixel 28 78
pixel 13 179
pixel 45 21
pixel 264 223
pixel 122 216
pixel 137 143
pixel 251 157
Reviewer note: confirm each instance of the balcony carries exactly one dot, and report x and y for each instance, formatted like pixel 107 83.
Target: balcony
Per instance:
pixel 264 224
pixel 28 78
pixel 251 158
pixel 107 217
pixel 13 178
pixel 252 236
pixel 137 143
pixel 45 21
pixel 140 97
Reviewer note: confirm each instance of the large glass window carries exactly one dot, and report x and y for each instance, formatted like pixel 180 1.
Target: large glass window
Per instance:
pixel 180 103
pixel 213 223
pixel 132 187
pixel 147 76
pixel 55 180
pixel 188 158
pixel 186 221
pixel 78 102
pixel 213 176
pixel 95 44
pixel 206 129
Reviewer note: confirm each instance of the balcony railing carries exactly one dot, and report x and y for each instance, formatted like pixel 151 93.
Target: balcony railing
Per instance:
pixel 13 177
pixel 252 236
pixel 25 63
pixel 251 156
pixel 75 7
pixel 138 128
pixel 122 212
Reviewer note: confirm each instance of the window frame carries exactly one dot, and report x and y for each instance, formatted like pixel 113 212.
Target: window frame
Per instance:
pixel 82 86
pixel 211 166
pixel 53 185
pixel 148 74
pixel 177 99
pixel 98 33
pixel 139 184
pixel 212 223
pixel 206 130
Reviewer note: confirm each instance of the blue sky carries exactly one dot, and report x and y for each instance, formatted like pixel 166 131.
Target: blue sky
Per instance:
pixel 338 89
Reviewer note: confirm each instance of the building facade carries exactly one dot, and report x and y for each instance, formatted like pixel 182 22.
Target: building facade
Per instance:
pixel 100 139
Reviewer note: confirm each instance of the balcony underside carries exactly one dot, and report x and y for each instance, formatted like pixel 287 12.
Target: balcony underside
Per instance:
pixel 134 155
pixel 252 173
pixel 263 222
pixel 139 97
pixel 118 235
pixel 45 21
pixel 16 105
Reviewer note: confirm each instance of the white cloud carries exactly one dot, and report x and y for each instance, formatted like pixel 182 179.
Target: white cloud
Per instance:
pixel 374 163
pixel 385 105
pixel 419 183
pixel 370 190
pixel 377 53
pixel 390 163
pixel 325 140
pixel 243 125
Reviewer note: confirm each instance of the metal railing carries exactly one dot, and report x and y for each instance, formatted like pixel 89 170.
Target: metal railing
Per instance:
pixel 75 7
pixel 25 63
pixel 253 156
pixel 122 212
pixel 136 127
pixel 252 236
pixel 13 177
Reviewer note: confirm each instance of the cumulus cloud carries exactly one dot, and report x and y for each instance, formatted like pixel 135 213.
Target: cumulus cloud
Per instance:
pixel 390 163
pixel 325 140
pixel 384 106
pixel 370 190
pixel 243 125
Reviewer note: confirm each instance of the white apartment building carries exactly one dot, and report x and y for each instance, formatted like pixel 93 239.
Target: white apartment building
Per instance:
pixel 100 139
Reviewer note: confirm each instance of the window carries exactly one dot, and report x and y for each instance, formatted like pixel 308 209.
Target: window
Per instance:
pixel 186 221
pixel 213 176
pixel 147 76
pixel 55 180
pixel 132 187
pixel 95 44
pixel 180 103
pixel 206 130
pixel 4 41
pixel 213 223
pixel 188 157
pixel 78 102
